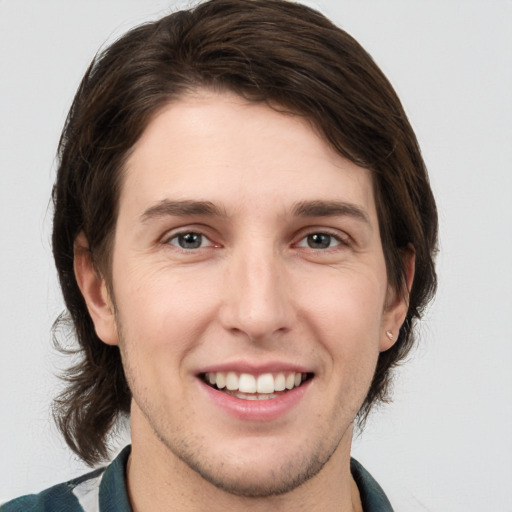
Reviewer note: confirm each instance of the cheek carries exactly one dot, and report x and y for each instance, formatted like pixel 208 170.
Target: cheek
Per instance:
pixel 346 301
pixel 345 317
pixel 161 307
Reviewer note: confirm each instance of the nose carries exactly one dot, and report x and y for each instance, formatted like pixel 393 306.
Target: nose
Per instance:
pixel 257 301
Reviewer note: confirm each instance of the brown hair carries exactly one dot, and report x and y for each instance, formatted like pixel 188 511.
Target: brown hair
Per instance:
pixel 273 51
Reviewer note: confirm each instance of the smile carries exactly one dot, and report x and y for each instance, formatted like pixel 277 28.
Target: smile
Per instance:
pixel 246 386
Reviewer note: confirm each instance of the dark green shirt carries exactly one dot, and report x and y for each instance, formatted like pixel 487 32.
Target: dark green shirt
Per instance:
pixel 104 490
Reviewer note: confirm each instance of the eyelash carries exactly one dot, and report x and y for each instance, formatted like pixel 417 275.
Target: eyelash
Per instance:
pixel 305 239
pixel 331 237
pixel 183 234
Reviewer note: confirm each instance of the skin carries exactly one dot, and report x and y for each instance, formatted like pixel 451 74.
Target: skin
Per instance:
pixel 259 289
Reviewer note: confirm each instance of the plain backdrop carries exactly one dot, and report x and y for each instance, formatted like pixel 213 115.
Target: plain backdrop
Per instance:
pixel 445 444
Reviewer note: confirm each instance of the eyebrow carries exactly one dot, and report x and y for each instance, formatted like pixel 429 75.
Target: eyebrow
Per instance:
pixel 330 208
pixel 316 208
pixel 185 207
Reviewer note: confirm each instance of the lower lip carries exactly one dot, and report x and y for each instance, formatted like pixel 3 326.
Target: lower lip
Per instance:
pixel 256 410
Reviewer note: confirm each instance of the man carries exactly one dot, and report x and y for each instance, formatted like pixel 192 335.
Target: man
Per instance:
pixel 244 233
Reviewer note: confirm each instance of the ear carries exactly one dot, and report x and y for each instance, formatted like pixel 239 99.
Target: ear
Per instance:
pixel 397 302
pixel 95 292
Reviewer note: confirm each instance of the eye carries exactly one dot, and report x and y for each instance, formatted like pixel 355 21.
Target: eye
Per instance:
pixel 190 240
pixel 319 241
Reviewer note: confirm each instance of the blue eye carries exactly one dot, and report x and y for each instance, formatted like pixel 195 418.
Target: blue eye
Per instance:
pixel 319 241
pixel 189 240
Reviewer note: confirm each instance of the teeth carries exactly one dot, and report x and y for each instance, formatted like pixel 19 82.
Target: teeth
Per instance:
pixel 280 382
pixel 220 380
pixel 264 384
pixel 232 381
pixel 247 383
pixel 249 396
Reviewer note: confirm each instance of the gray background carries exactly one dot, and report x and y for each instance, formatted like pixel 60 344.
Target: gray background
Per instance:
pixel 445 444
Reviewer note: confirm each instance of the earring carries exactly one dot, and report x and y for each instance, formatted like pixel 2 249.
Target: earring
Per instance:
pixel 390 335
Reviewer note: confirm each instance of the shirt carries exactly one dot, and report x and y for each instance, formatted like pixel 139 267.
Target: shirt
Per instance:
pixel 104 490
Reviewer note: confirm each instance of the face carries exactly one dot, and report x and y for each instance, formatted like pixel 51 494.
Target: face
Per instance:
pixel 250 291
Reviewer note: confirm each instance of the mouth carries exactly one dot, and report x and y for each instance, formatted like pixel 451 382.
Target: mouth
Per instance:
pixel 246 386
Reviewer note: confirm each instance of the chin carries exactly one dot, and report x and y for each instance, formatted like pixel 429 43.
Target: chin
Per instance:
pixel 259 482
pixel 259 472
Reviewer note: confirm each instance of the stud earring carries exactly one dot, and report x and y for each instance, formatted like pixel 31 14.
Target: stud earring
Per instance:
pixel 390 335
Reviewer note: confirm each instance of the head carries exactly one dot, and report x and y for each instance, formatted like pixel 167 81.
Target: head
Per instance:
pixel 267 52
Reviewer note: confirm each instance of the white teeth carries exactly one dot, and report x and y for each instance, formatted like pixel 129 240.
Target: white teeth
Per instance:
pixel 280 382
pixel 247 383
pixel 232 381
pixel 290 381
pixel 249 396
pixel 220 380
pixel 264 384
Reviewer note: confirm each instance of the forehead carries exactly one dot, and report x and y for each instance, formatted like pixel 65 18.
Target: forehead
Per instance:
pixel 221 148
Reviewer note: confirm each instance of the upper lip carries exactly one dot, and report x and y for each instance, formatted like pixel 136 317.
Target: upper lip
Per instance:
pixel 254 368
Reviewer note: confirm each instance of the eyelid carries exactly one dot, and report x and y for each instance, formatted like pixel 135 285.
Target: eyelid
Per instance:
pixel 341 237
pixel 183 230
pixel 203 239
pixel 303 242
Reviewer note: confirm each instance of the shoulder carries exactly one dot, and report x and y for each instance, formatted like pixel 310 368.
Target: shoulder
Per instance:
pixel 101 490
pixel 65 497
